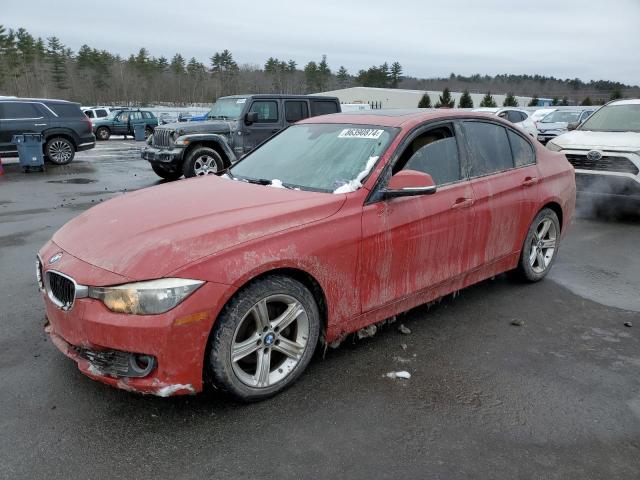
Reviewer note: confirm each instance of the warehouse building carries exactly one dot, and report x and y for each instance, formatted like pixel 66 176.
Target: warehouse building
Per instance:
pixel 398 98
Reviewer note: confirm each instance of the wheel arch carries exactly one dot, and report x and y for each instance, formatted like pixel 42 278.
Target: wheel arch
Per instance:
pixel 59 134
pixel 555 206
pixel 215 142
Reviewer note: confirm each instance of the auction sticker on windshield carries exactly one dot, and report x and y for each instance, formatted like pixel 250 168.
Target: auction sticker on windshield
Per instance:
pixel 370 133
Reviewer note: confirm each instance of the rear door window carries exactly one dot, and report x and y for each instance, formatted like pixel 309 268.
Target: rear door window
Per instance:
pixel 18 111
pixel 100 113
pixel 66 109
pixel 522 150
pixel 89 113
pixel 514 117
pixel 489 148
pixel 267 111
pixel 295 110
pixel 323 107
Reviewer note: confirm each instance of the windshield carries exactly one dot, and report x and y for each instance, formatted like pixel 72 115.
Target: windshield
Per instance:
pixel 227 108
pixel 614 118
pixel 321 157
pixel 561 116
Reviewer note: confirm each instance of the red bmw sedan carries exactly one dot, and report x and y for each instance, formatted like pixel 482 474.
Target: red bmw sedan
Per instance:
pixel 336 223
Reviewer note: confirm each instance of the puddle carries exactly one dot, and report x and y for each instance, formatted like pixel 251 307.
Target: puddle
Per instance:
pixel 80 181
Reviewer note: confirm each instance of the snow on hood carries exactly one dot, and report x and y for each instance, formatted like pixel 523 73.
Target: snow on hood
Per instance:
pixel 151 232
pixel 585 139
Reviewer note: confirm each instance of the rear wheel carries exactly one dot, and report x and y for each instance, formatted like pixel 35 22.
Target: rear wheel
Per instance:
pixel 202 161
pixel 103 133
pixel 60 151
pixel 264 338
pixel 540 246
pixel 166 173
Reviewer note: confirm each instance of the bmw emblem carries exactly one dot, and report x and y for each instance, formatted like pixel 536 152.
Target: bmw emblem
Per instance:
pixel 55 258
pixel 269 338
pixel 594 155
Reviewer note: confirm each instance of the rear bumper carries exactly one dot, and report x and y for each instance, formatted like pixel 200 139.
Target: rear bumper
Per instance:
pixel 163 156
pixel 86 143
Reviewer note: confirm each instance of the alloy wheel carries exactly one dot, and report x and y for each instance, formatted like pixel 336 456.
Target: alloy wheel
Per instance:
pixel 205 165
pixel 270 341
pixel 60 151
pixel 543 245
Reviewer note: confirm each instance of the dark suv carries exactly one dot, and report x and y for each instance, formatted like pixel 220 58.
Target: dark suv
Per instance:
pixel 122 122
pixel 234 126
pixel 65 129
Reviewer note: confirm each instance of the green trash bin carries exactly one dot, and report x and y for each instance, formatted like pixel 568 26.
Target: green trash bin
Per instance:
pixel 29 146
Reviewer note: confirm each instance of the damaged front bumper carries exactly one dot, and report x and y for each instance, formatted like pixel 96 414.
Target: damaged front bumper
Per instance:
pixel 162 156
pixel 151 354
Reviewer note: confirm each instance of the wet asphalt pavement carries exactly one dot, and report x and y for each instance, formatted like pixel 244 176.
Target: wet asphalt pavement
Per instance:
pixel 557 397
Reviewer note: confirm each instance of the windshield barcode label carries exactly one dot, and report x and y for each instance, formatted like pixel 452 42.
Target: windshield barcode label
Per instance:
pixel 361 133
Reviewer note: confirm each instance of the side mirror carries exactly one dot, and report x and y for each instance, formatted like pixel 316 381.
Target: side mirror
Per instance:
pixel 573 125
pixel 408 183
pixel 250 118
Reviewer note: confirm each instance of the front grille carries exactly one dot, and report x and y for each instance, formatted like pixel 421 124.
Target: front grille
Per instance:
pixel 605 164
pixel 61 289
pixel 162 137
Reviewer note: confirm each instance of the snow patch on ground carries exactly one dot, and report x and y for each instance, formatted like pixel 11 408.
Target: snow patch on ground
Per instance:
pixel 356 183
pixel 171 389
pixel 401 374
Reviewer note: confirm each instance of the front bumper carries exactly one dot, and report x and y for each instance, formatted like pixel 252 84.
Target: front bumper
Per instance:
pixel 607 184
pixel 163 156
pixel 177 339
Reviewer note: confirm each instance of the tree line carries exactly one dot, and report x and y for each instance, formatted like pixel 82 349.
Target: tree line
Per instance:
pixel 36 67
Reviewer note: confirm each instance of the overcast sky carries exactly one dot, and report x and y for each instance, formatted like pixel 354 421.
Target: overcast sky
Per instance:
pixel 589 39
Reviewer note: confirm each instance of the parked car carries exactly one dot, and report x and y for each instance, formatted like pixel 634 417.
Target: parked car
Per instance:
pixel 516 116
pixel 557 122
pixel 122 122
pixel 336 223
pixel 234 126
pixel 605 151
pixel 65 129
pixel 198 118
pixel 96 112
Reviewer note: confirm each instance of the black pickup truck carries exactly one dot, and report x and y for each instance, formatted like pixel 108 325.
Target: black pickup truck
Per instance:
pixel 234 126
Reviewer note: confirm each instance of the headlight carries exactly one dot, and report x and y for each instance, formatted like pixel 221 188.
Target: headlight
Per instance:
pixel 554 147
pixel 181 141
pixel 146 298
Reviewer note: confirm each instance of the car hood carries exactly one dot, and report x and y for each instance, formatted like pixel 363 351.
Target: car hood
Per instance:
pixel 585 139
pixel 151 232
pixel 207 126
pixel 545 127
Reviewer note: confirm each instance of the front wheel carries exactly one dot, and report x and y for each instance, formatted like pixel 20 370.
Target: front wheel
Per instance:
pixel 264 338
pixel 60 151
pixel 165 173
pixel 202 161
pixel 540 246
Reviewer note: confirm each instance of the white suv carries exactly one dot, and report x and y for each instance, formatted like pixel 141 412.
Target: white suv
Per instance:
pixel 605 151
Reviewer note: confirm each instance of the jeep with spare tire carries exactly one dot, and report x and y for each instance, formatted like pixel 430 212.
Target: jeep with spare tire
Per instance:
pixel 234 126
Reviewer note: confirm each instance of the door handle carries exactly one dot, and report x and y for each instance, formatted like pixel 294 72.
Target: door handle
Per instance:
pixel 462 203
pixel 529 181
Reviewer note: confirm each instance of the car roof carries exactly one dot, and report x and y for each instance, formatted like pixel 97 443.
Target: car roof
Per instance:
pixel 281 95
pixel 626 101
pixel 396 117
pixel 41 100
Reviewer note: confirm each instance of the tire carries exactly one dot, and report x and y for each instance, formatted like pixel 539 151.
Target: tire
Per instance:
pixel 148 131
pixel 103 133
pixel 202 161
pixel 536 259
pixel 245 320
pixel 166 173
pixel 60 150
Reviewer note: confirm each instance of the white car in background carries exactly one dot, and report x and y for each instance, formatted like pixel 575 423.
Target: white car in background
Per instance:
pixel 557 122
pixel 518 117
pixel 96 112
pixel 539 114
pixel 605 151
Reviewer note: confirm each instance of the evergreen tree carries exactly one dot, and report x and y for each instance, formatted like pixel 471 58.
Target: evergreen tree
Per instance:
pixel 311 76
pixel 586 102
pixel 534 101
pixel 445 100
pixel 510 101
pixel 177 64
pixel 564 102
pixel 396 74
pixel 56 56
pixel 555 101
pixel 488 101
pixel 324 74
pixel 616 94
pixel 465 100
pixel 425 101
pixel 343 77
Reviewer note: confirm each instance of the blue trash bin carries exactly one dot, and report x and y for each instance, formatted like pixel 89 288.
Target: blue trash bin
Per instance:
pixel 29 146
pixel 138 133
